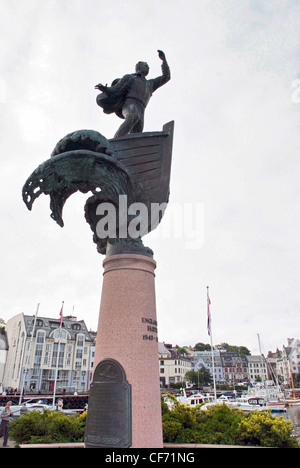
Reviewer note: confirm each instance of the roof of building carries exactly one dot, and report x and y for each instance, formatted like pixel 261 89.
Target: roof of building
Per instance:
pixel 162 349
pixel 48 324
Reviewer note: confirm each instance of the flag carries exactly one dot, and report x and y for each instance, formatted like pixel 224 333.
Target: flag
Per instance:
pixel 61 314
pixel 208 314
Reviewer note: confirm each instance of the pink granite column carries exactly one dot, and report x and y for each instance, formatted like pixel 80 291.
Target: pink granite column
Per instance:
pixel 127 332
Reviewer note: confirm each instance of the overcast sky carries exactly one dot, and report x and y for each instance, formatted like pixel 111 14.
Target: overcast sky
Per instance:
pixel 233 219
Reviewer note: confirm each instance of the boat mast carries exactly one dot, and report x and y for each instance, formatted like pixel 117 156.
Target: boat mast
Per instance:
pixel 209 329
pixel 264 380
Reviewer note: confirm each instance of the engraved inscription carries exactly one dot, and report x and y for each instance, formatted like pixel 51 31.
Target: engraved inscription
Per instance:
pixel 151 327
pixel 108 421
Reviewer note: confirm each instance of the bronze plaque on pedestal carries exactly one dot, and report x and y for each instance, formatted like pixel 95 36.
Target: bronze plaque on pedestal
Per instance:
pixel 108 422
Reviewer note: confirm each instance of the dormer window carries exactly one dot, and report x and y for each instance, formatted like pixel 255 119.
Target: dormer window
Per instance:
pixel 63 334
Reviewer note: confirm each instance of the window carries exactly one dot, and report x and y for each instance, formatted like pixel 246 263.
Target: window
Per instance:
pixel 47 354
pixel 61 354
pixel 40 337
pixel 69 355
pixel 54 324
pixel 80 340
pixel 63 334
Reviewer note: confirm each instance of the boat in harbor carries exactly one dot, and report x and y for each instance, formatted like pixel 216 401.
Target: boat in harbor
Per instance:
pixel 246 404
pixel 291 401
pixel 194 399
pixel 258 403
pixel 272 394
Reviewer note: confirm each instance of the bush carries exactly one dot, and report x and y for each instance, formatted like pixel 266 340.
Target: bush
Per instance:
pixel 223 425
pixel 47 427
pixel 267 431
pixel 218 425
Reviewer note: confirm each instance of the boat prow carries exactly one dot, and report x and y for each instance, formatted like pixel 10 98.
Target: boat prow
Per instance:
pixel 147 158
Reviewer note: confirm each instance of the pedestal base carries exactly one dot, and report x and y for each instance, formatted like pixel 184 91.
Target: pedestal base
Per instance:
pixel 127 332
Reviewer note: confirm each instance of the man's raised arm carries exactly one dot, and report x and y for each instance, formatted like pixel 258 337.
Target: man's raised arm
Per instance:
pixel 166 74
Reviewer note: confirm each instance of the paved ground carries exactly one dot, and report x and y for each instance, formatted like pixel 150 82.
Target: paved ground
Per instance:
pixel 10 443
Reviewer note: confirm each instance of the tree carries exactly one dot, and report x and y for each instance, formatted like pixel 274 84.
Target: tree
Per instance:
pixel 2 324
pixel 181 350
pixel 240 350
pixel 199 377
pixel 202 347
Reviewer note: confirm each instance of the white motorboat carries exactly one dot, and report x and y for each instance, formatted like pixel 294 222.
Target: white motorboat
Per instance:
pixel 194 399
pixel 272 394
pixel 257 403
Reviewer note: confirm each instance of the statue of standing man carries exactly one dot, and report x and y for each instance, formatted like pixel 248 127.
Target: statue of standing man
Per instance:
pixel 129 96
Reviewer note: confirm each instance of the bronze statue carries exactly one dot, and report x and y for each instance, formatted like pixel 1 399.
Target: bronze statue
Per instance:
pixel 129 96
pixel 131 175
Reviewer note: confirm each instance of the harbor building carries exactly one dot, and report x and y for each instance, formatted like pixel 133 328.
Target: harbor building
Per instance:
pixel 257 368
pixel 292 353
pixel 32 358
pixel 204 359
pixel 172 366
pixel 235 367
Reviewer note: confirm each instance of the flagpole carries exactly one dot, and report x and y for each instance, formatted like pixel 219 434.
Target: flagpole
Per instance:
pixel 58 350
pixel 209 329
pixel 28 356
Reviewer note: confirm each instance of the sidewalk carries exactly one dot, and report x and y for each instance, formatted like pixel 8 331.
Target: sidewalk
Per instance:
pixel 10 443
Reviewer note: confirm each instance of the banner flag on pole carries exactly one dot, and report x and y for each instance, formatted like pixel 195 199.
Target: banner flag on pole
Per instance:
pixel 61 313
pixel 208 314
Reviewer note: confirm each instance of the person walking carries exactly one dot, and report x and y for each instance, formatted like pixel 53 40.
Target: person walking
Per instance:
pixel 5 418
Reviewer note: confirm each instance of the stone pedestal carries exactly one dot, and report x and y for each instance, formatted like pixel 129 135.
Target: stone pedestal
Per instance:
pixel 127 333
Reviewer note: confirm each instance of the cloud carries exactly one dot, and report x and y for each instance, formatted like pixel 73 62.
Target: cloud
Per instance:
pixel 235 153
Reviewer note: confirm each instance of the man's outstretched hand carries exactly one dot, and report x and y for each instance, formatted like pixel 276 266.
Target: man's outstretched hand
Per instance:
pixel 161 55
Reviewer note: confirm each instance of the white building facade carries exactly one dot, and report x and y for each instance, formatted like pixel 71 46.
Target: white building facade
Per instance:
pixel 293 354
pixel 257 368
pixel 32 360
pixel 172 367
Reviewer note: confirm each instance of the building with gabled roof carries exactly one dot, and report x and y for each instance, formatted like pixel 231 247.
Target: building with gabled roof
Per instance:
pixel 32 358
pixel 172 366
